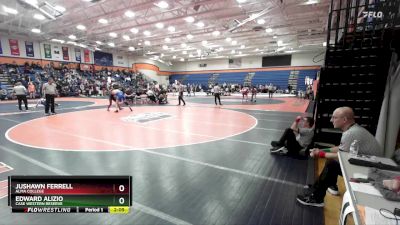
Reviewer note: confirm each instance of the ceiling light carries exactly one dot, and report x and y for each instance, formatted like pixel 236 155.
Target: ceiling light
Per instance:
pixel 103 21
pixel 162 4
pixel 260 21
pixel 174 57
pixel 324 44
pixel 129 14
pixel 257 49
pixel 73 37
pixel 191 55
pixel 111 44
pixel 112 34
pixel 216 33
pixel 99 42
pixel 9 10
pixel 220 49
pixel 233 51
pixel 81 27
pixel 240 52
pixel 71 42
pixel 147 33
pixel 126 37
pixel 204 42
pixel 131 48
pixel 39 17
pixel 234 42
pixel 200 24
pixel 275 36
pixel 183 45
pixel 162 55
pixel 167 39
pixel 189 19
pixel 182 59
pixel 171 28
pixel 134 30
pixel 309 2
pixel 159 25
pixel 59 8
pixel 228 39
pixel 35 30
pixel 241 1
pixel 147 43
pixel 268 30
pixel 242 46
pixel 280 42
pixel 139 43
pixel 97 49
pixel 165 47
pixel 184 52
pixel 189 36
pixel 172 49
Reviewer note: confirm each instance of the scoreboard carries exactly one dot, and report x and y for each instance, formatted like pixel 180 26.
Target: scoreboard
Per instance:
pixel 70 194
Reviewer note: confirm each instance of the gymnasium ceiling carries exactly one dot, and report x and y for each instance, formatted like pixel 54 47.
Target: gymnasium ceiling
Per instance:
pixel 220 28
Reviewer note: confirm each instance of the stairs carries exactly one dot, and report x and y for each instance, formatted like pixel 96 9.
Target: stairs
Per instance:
pixel 356 67
pixel 293 79
pixel 213 79
pixel 248 79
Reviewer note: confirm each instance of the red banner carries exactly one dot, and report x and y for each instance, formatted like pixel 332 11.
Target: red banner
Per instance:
pixel 14 46
pixel 86 55
pixel 65 53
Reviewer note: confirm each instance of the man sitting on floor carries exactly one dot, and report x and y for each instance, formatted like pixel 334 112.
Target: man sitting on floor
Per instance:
pixel 342 118
pixel 295 138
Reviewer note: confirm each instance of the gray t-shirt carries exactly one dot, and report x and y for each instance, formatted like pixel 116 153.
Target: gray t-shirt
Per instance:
pixel 20 90
pixel 367 143
pixel 305 136
pixel 50 89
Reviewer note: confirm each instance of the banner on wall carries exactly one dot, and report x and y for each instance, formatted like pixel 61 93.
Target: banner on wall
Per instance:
pixel 78 54
pixel 1 49
pixel 29 49
pixel 65 53
pixel 86 67
pixel 235 63
pixel 103 58
pixel 57 52
pixel 86 55
pixel 47 51
pixel 14 48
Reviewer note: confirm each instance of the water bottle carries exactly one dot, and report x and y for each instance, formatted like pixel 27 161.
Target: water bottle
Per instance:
pixel 354 148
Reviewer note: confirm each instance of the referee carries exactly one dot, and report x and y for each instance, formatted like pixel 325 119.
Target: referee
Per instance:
pixel 217 94
pixel 49 90
pixel 20 92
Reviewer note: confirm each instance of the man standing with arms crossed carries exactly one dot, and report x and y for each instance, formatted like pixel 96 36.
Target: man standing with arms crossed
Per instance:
pixel 49 90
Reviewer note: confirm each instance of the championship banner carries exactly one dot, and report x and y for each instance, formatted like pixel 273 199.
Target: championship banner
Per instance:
pixel 65 53
pixel 86 55
pixel 29 49
pixel 57 52
pixel 14 46
pixel 78 54
pixel 47 51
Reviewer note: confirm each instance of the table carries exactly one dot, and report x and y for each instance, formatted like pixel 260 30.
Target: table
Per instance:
pixel 360 199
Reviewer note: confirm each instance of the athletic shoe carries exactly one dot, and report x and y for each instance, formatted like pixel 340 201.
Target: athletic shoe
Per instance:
pixel 53 113
pixel 282 150
pixel 333 190
pixel 47 114
pixel 275 144
pixel 309 200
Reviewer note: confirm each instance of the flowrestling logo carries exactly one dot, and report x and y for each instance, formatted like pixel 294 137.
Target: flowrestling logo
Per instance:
pixel 146 117
pixel 373 14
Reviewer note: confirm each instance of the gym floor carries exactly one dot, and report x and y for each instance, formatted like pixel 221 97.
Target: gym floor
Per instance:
pixel 193 164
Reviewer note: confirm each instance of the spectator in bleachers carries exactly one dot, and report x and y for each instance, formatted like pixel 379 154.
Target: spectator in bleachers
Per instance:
pixel 342 118
pixel 31 90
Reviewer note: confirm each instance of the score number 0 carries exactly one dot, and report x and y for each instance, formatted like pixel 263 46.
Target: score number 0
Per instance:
pixel 121 200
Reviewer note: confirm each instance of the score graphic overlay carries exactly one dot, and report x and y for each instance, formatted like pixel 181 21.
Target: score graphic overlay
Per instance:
pixel 70 194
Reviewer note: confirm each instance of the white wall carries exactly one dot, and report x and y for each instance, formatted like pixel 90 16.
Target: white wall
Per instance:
pixel 300 59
